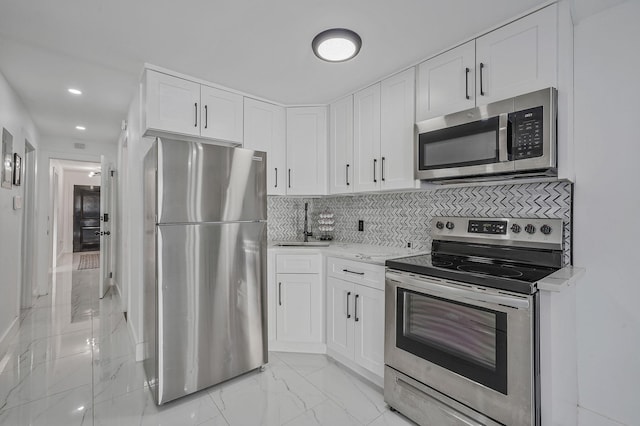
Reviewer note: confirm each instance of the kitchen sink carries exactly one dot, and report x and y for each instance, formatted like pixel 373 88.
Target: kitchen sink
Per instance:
pixel 302 244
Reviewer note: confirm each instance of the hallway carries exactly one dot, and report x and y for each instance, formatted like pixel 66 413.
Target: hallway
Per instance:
pixel 72 363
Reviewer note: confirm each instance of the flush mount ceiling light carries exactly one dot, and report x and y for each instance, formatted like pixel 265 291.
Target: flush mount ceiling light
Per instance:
pixel 81 128
pixel 74 91
pixel 336 45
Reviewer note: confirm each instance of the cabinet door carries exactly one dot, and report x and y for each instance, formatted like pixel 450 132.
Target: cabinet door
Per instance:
pixel 369 329
pixel 221 114
pixel 340 297
pixel 264 130
pixel 517 58
pixel 172 104
pixel 299 308
pixel 444 84
pixel 341 146
pixel 366 139
pixel 397 121
pixel 307 151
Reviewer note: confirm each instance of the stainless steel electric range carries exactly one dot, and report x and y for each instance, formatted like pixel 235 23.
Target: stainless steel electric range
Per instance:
pixel 461 323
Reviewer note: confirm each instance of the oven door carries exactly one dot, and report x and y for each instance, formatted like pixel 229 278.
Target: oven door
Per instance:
pixel 475 345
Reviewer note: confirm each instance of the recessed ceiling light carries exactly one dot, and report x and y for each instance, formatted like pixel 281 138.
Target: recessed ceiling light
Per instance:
pixel 81 128
pixel 336 45
pixel 75 91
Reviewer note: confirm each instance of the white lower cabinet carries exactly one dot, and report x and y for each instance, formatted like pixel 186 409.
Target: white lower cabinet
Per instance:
pixel 298 313
pixel 355 318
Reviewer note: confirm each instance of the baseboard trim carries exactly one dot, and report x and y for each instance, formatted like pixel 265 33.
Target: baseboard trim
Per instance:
pixel 8 336
pixel 303 347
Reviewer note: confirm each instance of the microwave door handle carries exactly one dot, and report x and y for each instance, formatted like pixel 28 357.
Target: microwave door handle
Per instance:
pixel 503 135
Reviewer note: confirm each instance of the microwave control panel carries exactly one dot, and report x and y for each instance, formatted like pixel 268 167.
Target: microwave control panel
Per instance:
pixel 527 133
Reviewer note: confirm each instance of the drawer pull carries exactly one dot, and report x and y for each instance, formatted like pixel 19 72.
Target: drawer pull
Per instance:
pixel 352 272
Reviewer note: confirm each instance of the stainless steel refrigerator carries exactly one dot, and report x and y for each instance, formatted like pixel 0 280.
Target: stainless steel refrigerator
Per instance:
pixel 205 314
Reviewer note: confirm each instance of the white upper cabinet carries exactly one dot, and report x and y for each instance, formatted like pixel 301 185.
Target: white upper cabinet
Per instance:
pixel 171 104
pixel 366 139
pixel 307 151
pixel 221 114
pixel 446 83
pixel 397 118
pixel 341 146
pixel 177 106
pixel 518 58
pixel 264 130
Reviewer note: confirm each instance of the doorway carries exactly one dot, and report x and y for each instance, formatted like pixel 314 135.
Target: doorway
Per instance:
pixel 86 218
pixel 29 223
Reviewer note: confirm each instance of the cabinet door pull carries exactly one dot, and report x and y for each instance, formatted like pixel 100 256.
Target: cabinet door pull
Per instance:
pixel 347 179
pixel 382 169
pixel 353 272
pixel 355 309
pixel 280 294
pixel 196 105
pixel 276 185
pixel 206 117
pixel 466 82
pixel 481 88
pixel 289 178
pixel 375 164
pixel 348 314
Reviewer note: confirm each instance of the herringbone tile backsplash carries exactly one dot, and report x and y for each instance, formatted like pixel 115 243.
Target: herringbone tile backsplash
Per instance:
pixel 395 219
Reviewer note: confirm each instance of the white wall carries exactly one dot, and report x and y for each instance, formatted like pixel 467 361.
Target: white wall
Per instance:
pixel 15 118
pixel 606 213
pixel 52 149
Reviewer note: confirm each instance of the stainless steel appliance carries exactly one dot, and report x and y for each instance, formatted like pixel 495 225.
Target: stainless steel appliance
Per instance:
pixel 205 265
pixel 515 136
pixel 461 323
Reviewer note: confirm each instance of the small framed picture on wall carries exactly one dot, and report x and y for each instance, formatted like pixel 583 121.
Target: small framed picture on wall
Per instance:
pixel 17 169
pixel 7 159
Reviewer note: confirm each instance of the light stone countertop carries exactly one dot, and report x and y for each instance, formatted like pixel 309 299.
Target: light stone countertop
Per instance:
pixel 561 279
pixel 376 255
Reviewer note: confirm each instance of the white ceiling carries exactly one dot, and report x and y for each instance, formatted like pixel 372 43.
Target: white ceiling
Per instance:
pixel 256 46
pixel 78 166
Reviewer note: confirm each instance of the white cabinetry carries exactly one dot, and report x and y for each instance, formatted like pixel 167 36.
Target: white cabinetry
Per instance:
pixel 446 83
pixel 297 302
pixel 383 122
pixel 341 146
pixel 307 151
pixel 366 138
pixel 264 130
pixel 355 314
pixel 397 119
pixel 517 58
pixel 173 105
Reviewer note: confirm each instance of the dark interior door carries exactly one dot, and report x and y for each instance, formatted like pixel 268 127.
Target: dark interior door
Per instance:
pixel 86 218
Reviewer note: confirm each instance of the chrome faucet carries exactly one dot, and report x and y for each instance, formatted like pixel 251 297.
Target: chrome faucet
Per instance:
pixel 306 231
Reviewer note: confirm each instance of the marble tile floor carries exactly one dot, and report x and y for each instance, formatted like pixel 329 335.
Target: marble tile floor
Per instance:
pixel 72 363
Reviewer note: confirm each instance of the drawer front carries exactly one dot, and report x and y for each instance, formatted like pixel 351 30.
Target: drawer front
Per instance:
pixel 356 272
pixel 298 263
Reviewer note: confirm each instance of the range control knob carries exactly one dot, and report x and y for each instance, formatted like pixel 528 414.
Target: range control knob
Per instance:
pixel 439 225
pixel 450 225
pixel 516 228
pixel 530 229
pixel 545 229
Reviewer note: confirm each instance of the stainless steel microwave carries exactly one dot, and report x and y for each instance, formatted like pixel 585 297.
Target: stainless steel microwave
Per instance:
pixel 512 137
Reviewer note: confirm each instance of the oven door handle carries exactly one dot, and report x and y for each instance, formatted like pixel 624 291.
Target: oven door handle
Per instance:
pixel 503 136
pixel 430 287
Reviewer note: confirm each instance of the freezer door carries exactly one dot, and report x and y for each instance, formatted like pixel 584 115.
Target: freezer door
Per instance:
pixel 212 320
pixel 200 182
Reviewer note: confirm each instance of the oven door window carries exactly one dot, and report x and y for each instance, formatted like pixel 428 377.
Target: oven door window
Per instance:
pixel 464 145
pixel 466 339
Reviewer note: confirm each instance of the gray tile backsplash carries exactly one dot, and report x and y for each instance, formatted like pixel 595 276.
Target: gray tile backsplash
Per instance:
pixel 395 219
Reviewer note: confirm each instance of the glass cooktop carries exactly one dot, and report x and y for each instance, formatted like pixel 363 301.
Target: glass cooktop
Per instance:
pixel 507 276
